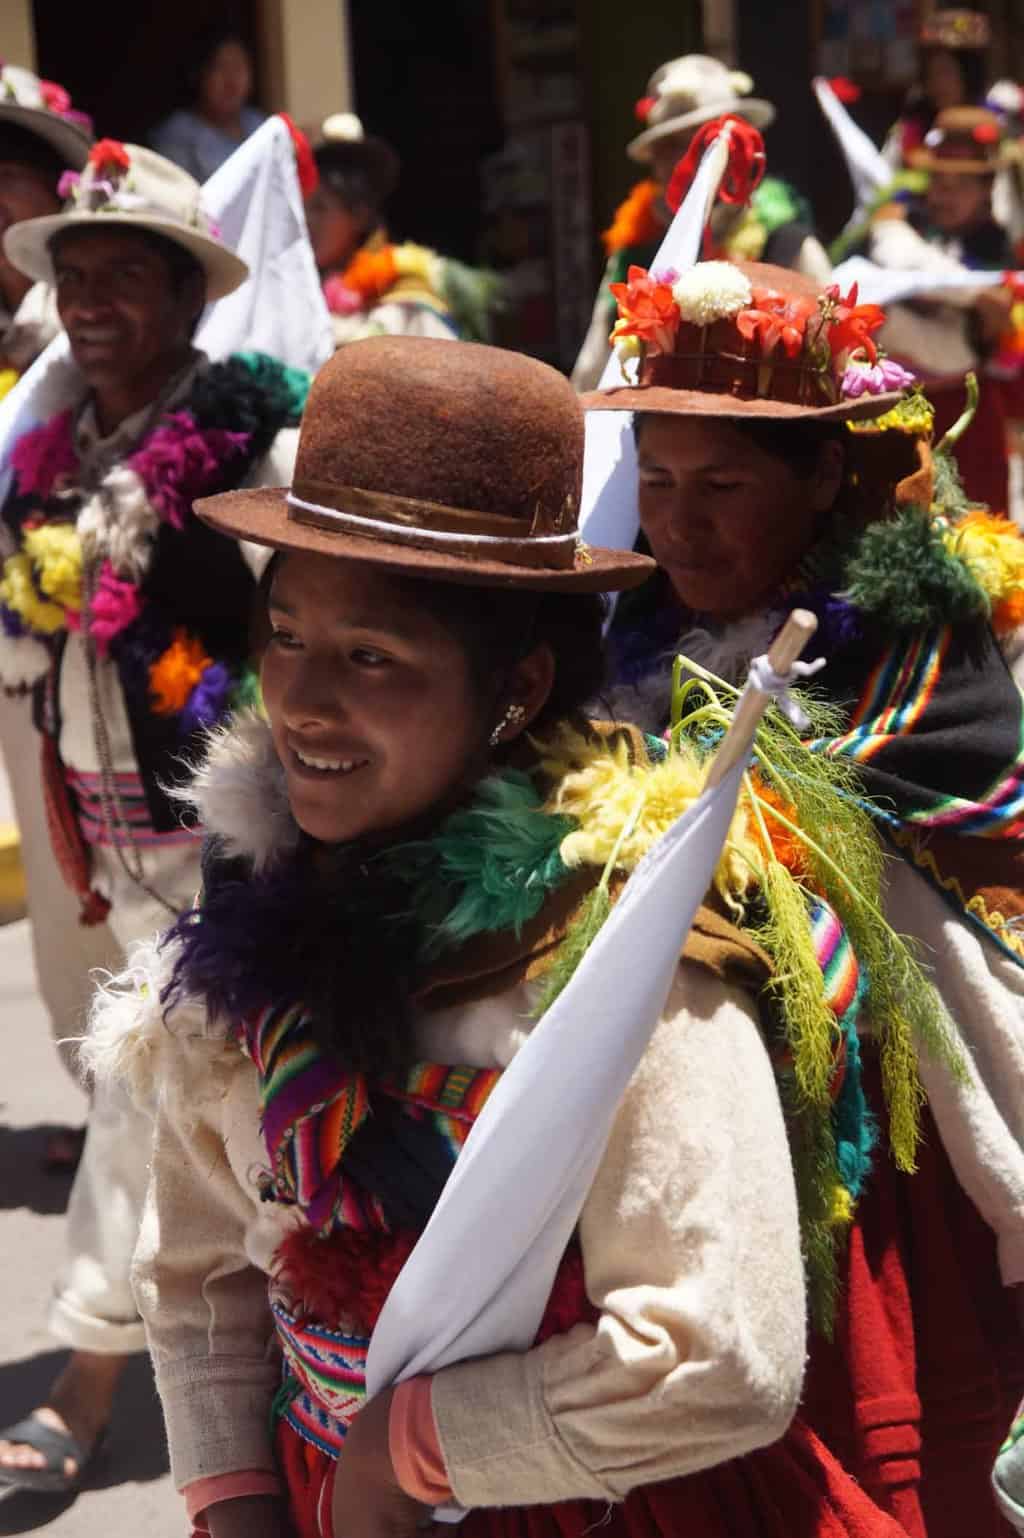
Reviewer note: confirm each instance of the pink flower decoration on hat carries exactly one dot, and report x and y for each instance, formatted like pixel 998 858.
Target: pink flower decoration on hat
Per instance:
pixel 68 182
pixel 874 378
pixel 110 156
pixel 55 98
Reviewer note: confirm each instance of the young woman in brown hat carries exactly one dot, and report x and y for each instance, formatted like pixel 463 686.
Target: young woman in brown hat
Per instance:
pixel 388 889
pixel 777 467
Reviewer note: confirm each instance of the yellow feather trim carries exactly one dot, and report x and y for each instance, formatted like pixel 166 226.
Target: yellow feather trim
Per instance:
pixel 597 784
pixel 993 551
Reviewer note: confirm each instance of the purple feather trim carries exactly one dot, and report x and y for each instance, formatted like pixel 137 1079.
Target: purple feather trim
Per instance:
pixel 180 462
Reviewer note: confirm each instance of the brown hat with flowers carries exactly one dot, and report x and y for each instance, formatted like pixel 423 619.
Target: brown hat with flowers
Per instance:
pixel 956 27
pixel 437 459
pixel 743 339
pixel 964 141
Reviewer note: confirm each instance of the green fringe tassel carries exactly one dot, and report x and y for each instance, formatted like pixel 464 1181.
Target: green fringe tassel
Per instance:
pixel 593 912
pixel 903 576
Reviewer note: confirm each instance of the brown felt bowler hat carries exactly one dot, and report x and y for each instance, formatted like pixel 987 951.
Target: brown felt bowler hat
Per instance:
pixel 438 459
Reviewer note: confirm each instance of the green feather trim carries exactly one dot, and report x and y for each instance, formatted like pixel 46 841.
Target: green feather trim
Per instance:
pixel 776 203
pixel 247 694
pixel 903 576
pixel 474 295
pixel 291 383
pixel 594 909
pixel 489 867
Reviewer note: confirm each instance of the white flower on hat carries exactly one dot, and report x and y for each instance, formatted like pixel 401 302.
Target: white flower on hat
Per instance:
pixel 711 291
pixel 342 128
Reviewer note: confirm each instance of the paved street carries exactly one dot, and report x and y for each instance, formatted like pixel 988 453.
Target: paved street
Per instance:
pixel 129 1490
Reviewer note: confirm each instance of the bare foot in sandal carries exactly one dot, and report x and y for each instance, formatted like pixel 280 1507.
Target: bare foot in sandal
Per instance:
pixel 70 1425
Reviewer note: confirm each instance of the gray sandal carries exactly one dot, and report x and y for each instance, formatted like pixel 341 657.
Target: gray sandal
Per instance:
pixel 55 1447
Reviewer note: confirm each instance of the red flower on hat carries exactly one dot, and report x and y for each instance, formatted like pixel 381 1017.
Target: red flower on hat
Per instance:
pixel 109 155
pixel 985 133
pixel 644 106
pixel 772 318
pixel 55 98
pixel 646 310
pixel 853 324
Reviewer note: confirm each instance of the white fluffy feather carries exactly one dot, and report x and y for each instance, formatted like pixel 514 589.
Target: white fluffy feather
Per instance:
pixel 120 524
pixel 240 795
pixel 23 660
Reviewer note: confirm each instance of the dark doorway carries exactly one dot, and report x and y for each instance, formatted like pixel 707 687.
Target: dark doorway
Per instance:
pixel 132 71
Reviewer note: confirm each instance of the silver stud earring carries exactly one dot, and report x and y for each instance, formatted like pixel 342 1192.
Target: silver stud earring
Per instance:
pixel 514 716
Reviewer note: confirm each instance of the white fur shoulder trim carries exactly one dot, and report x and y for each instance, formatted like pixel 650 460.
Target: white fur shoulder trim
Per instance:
pixel 239 792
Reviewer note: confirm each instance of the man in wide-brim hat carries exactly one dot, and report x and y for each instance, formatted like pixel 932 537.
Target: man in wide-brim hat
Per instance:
pixel 128 622
pixel 682 95
pixel 42 138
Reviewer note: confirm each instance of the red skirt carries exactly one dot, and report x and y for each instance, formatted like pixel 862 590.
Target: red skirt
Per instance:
pixel 902 1415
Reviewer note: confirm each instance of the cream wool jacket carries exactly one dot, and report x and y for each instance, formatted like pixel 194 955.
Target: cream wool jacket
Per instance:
pixel 689 1235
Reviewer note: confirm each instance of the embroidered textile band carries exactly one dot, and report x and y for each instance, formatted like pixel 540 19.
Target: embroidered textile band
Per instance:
pixel 430 526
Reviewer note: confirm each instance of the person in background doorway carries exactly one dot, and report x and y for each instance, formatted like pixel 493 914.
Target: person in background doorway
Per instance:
pixel 372 286
pixel 201 136
pixel 775 226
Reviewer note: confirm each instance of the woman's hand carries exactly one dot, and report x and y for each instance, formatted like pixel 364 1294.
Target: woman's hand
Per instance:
pixel 368 1501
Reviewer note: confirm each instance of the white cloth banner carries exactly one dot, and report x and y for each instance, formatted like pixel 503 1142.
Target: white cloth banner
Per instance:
pixel 608 512
pixel 869 170
pixel 479 1278
pixel 891 285
pixel 255 199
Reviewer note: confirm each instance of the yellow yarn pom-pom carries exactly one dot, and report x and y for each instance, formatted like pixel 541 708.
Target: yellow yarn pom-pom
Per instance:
pixel 18 592
pixel 56 554
pixel 993 551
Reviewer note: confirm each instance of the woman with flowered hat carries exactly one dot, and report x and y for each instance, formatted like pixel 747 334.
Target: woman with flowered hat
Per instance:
pixel 374 286
pixel 781 461
pixel 127 621
pixel 382 902
pixel 773 224
pixel 953 62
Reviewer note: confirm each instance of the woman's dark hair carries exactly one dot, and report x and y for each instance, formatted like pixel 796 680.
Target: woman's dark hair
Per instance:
pixel 362 173
pixel 973 64
pixel 335 928
pixel 797 442
pixel 205 45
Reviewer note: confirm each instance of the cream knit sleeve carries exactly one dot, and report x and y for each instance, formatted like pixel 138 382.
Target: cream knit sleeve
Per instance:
pixel 691 1249
pixel 204 1303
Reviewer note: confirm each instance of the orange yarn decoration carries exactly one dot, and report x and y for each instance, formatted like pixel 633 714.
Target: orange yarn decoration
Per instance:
pixel 785 846
pixel 635 223
pixel 174 675
pixel 371 273
pixel 1008 613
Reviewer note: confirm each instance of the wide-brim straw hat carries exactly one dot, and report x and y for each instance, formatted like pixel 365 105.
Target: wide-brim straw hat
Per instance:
pixel 689 91
pixel 714 372
pixel 964 141
pixel 129 186
pixel 436 459
pixel 23 101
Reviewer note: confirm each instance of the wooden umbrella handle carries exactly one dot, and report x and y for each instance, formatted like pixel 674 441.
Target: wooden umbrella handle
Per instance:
pixel 783 652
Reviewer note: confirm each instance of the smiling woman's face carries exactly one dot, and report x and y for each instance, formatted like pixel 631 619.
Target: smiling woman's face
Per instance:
pixel 372 705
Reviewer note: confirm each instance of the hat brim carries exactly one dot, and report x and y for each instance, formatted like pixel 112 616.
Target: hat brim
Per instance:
pixel 71 142
pixel 753 109
pixel 659 400
pixel 922 159
pixel 27 246
pixel 261 517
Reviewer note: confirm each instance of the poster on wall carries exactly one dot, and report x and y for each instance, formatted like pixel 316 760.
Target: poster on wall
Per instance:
pixel 869 40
